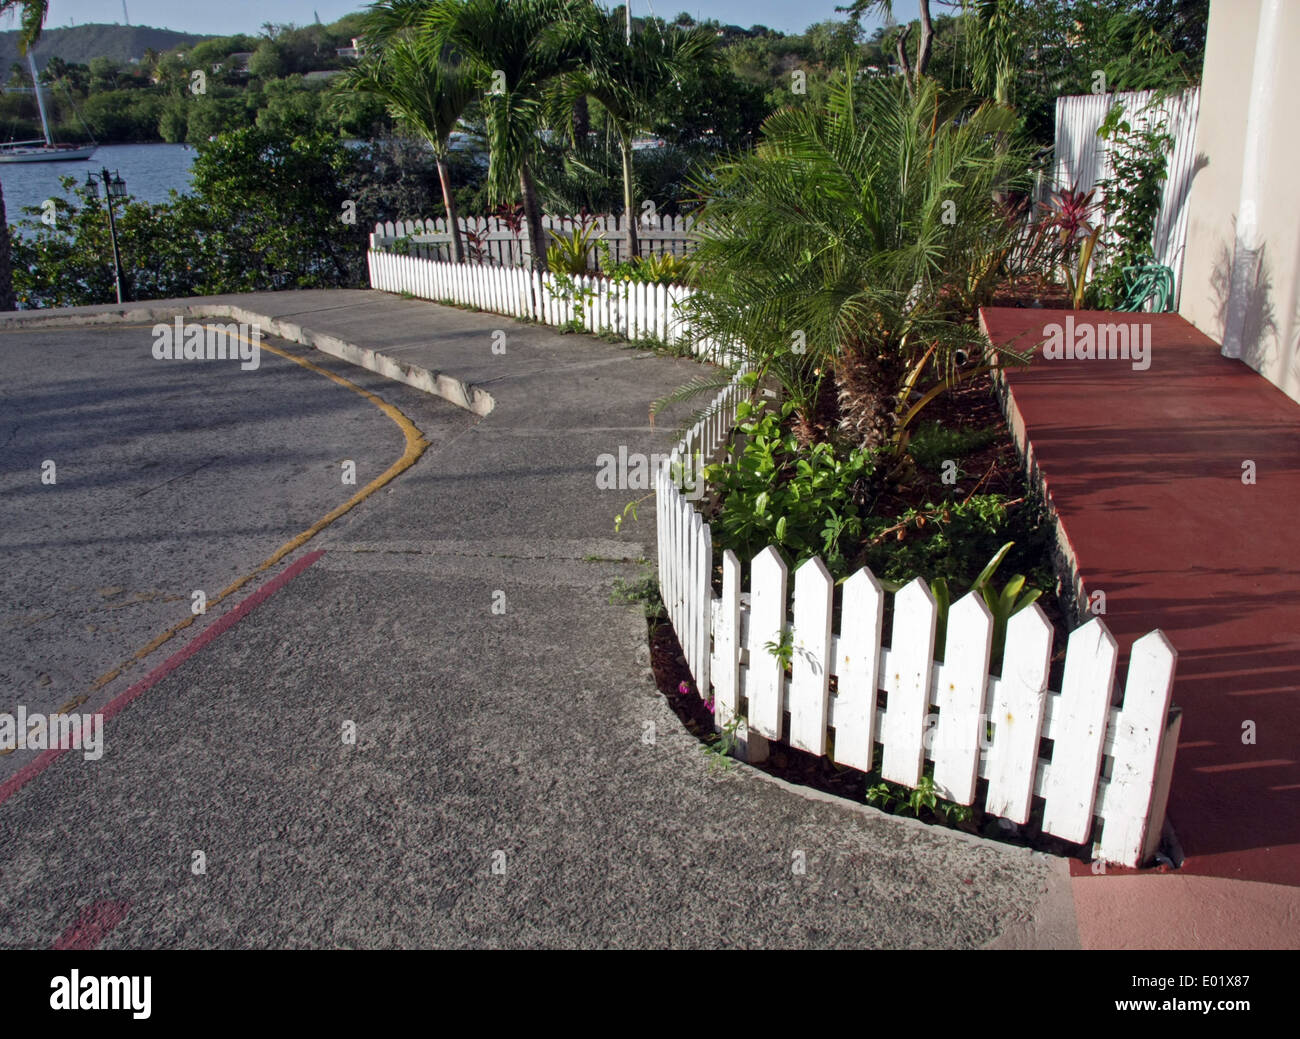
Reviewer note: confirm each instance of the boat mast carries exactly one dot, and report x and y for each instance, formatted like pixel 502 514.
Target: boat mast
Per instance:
pixel 40 103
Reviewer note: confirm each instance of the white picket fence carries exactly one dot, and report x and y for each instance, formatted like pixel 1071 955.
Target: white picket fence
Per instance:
pixel 490 239
pixel 1082 159
pixel 1106 766
pixel 634 310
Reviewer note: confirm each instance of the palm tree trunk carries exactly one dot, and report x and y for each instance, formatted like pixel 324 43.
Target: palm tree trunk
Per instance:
pixel 903 63
pixel 866 381
pixel 449 203
pixel 581 120
pixel 927 37
pixel 7 301
pixel 629 204
pixel 533 216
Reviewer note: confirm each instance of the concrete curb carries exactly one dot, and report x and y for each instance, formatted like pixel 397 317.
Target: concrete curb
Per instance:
pixel 439 384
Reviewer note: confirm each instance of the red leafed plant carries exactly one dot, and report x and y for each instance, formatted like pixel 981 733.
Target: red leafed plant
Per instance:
pixel 1069 220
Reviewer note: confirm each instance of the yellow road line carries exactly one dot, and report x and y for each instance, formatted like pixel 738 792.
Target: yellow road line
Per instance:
pixel 416 445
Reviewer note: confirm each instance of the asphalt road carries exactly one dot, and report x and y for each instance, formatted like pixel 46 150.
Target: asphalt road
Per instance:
pixel 168 478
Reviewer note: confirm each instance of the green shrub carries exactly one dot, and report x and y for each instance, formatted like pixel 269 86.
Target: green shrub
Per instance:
pixel 954 541
pixel 803 501
pixel 568 254
pixel 933 444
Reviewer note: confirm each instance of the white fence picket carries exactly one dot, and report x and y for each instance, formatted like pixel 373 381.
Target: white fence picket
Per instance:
pixel 957 735
pixel 726 643
pixel 861 624
pixel 767 625
pixel 703 593
pixel 1080 716
pixel 814 591
pixel 1017 714
pixel 1139 734
pixel 908 685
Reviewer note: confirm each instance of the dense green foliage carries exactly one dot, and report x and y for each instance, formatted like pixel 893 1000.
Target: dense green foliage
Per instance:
pixel 805 500
pixel 1134 191
pixel 230 234
pixel 844 254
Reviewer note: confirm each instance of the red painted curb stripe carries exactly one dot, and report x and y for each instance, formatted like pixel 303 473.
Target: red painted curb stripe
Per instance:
pixel 94 922
pixel 115 706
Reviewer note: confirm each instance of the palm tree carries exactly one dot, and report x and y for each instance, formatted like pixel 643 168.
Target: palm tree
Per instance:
pixel 997 28
pixel 886 7
pixel 627 77
pixel 31 18
pixel 517 47
pixel 428 96
pixel 845 255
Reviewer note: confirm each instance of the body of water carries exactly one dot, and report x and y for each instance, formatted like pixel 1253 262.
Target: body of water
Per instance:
pixel 150 172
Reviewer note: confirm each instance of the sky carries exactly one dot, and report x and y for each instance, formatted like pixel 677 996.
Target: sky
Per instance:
pixel 232 16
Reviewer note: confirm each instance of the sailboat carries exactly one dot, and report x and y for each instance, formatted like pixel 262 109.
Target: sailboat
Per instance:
pixel 46 150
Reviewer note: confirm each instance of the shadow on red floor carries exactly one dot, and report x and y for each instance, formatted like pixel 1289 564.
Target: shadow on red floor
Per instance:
pixel 1145 468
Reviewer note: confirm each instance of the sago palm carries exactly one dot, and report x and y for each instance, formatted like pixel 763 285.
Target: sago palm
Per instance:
pixel 425 93
pixel 839 256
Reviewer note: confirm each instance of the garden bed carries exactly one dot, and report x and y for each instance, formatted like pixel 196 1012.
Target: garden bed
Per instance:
pixel 965 425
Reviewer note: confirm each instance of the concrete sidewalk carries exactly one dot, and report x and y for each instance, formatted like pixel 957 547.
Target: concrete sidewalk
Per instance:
pixel 516 780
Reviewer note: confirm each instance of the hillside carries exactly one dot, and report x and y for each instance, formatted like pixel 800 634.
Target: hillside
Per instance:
pixel 80 43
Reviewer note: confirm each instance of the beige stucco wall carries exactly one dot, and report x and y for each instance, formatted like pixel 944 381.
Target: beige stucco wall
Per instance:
pixel 1254 309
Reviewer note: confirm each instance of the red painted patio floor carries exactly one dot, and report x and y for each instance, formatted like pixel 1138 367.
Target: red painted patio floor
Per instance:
pixel 1145 471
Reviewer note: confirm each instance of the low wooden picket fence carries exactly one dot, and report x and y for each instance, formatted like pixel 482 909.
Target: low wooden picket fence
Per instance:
pixel 496 241
pixel 634 310
pixel 1102 771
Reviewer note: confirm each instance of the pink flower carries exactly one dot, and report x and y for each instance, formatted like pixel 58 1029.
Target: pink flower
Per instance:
pixel 683 688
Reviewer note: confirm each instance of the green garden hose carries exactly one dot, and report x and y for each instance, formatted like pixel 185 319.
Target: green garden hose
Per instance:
pixel 1152 281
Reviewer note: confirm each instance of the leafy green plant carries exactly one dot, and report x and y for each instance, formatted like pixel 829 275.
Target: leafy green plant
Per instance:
pixel 570 253
pixel 891 797
pixel 804 501
pixel 425 96
pixel 933 444
pixel 528 45
pixel 950 539
pixel 643 591
pixel 663 269
pixel 1006 603
pixel 782 648
pixel 1003 604
pixel 627 73
pixel 1133 193
pixel 725 741
pixel 579 297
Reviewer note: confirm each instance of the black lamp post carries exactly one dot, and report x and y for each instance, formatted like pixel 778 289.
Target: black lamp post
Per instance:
pixel 114 187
